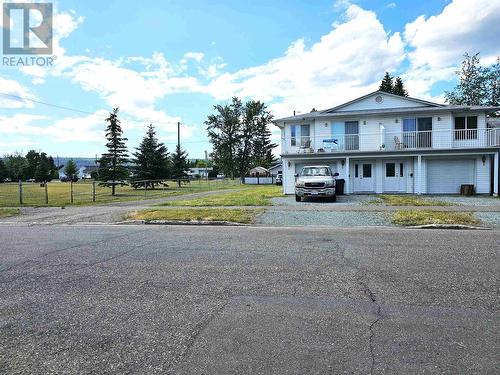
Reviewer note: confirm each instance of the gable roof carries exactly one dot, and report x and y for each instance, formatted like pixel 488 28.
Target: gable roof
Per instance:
pixel 378 92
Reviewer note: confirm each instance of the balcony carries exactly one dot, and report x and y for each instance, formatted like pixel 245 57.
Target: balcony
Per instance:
pixel 394 141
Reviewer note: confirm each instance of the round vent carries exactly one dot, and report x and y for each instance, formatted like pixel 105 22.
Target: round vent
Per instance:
pixel 379 99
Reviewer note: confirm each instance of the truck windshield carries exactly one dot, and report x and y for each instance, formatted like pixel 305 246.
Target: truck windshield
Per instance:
pixel 315 171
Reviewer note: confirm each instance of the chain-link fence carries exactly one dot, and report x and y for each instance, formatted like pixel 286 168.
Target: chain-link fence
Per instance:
pixel 56 193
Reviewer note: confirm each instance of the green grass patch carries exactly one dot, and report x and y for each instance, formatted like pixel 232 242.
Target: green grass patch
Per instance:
pixel 408 200
pixel 59 193
pixel 7 212
pixel 253 196
pixel 425 217
pixel 234 215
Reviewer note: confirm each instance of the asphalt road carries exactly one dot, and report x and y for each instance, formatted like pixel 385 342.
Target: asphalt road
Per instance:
pixel 248 300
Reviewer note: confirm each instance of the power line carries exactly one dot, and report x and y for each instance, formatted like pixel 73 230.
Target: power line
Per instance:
pixel 77 110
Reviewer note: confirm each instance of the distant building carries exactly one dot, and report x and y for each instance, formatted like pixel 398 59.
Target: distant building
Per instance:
pixel 199 172
pixel 275 169
pixel 259 172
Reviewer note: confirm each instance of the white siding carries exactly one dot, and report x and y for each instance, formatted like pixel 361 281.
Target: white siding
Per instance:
pixel 388 102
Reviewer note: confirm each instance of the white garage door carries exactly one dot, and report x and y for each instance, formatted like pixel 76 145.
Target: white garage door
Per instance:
pixel 446 176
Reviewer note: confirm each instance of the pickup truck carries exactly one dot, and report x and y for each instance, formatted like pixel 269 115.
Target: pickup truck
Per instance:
pixel 315 181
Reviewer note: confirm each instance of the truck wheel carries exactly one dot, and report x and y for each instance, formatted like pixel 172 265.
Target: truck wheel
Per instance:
pixel 297 198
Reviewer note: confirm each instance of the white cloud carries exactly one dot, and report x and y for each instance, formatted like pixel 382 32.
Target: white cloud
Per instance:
pixel 197 56
pixel 77 129
pixel 345 63
pixel 438 42
pixel 10 87
pixel 462 26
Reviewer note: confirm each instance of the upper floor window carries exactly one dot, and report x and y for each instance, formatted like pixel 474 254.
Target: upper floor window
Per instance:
pixel 293 139
pixel 300 135
pixel 465 127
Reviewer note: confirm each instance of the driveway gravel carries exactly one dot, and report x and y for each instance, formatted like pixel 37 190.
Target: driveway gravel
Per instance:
pixel 342 200
pixel 489 219
pixel 478 200
pixel 331 218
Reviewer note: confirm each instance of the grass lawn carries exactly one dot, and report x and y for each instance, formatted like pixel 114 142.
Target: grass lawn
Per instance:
pixel 252 196
pixel 234 215
pixel 418 217
pixel 59 192
pixel 409 200
pixel 6 212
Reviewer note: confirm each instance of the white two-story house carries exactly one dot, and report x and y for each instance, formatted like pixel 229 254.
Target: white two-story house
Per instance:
pixel 384 143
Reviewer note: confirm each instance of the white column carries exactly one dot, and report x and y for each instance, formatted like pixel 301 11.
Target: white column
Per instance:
pixel 495 175
pixel 347 187
pixel 419 175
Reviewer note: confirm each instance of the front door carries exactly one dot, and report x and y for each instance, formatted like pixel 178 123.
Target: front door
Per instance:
pixel 394 176
pixel 363 177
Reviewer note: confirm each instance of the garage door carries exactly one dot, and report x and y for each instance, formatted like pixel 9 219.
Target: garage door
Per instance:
pixel 446 176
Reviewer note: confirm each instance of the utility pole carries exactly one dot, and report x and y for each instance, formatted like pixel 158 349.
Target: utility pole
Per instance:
pixel 179 135
pixel 178 146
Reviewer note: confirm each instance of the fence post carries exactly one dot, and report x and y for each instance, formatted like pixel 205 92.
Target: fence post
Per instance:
pixel 93 191
pixel 145 188
pixel 46 184
pixel 20 192
pixel 71 191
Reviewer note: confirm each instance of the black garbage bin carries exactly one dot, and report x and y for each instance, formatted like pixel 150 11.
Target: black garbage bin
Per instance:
pixel 339 186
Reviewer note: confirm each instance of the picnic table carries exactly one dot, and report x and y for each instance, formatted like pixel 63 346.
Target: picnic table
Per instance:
pixel 113 183
pixel 147 184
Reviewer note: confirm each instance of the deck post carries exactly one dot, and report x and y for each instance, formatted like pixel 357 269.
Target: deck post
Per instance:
pixel 495 175
pixel 347 185
pixel 419 175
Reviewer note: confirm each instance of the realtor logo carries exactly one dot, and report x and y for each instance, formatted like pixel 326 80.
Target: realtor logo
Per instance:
pixel 27 28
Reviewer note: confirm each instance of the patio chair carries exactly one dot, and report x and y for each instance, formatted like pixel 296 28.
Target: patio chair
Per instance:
pixel 398 144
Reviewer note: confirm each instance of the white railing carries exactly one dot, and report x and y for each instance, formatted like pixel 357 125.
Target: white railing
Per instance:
pixel 401 140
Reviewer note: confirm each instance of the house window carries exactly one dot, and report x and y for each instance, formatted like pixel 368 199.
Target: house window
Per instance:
pixel 417 132
pixel 305 136
pixel 293 139
pixel 409 124
pixel 401 170
pixel 465 127
pixel 356 170
pixel 367 170
pixel 390 170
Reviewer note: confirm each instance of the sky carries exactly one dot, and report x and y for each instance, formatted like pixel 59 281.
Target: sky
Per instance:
pixel 163 62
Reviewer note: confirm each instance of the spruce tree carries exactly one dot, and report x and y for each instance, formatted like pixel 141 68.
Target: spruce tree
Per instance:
pixel 151 160
pixel 399 88
pixel 179 164
pixel 3 171
pixel 386 85
pixel 112 165
pixel 262 146
pixel 70 169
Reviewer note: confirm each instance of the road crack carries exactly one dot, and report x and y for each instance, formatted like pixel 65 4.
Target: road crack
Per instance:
pixel 369 293
pixel 360 277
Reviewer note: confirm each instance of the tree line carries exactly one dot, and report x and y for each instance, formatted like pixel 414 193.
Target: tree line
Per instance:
pixel 34 165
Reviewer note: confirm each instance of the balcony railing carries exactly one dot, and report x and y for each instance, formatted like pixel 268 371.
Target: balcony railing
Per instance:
pixel 401 140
